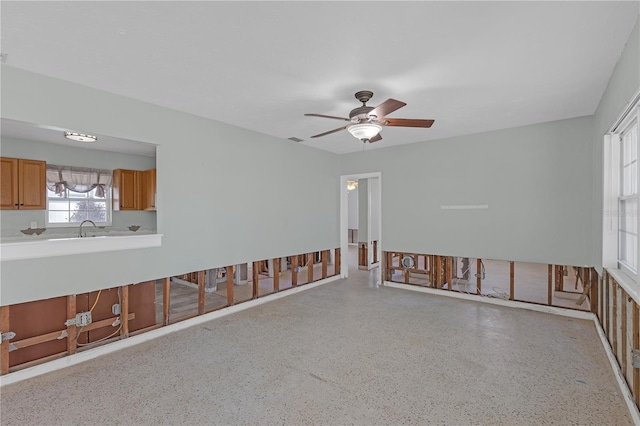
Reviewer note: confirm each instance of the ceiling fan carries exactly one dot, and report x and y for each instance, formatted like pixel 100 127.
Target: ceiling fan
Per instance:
pixel 366 122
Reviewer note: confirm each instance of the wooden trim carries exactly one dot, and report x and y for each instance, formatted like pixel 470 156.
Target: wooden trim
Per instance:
pixel 230 300
pixel 72 330
pixel 124 316
pixel 201 293
pixel 255 278
pixel 276 273
pixel 310 262
pixel 337 261
pixel 294 271
pixel 550 286
pixel 4 347
pixel 166 300
pixel 325 261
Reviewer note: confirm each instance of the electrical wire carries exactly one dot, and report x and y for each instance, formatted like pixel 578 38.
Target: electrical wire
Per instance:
pixel 119 320
pixel 96 302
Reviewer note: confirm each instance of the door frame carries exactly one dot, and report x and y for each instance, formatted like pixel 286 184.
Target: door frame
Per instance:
pixel 344 216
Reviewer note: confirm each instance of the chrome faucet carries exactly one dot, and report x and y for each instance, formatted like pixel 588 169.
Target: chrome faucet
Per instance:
pixel 83 222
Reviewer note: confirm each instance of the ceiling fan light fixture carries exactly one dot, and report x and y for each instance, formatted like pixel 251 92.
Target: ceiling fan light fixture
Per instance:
pixel 80 137
pixel 352 184
pixel 364 131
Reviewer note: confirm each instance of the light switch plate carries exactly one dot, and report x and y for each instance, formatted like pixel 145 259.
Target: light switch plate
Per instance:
pixel 34 225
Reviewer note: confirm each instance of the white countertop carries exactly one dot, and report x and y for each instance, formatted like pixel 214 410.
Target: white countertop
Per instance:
pixel 37 248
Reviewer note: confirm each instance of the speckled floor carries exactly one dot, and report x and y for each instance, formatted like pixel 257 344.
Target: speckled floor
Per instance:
pixel 347 352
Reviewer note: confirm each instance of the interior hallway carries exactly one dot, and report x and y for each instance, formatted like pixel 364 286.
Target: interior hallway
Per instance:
pixel 345 352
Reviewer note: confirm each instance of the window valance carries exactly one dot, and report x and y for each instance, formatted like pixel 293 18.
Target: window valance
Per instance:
pixel 78 179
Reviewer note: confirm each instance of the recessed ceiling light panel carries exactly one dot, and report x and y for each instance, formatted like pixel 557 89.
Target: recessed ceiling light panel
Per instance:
pixel 80 137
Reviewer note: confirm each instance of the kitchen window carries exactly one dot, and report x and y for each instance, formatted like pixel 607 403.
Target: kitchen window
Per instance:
pixel 75 194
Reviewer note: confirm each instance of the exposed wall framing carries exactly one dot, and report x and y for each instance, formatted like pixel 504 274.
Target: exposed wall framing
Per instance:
pixel 45 329
pixel 619 316
pixel 464 275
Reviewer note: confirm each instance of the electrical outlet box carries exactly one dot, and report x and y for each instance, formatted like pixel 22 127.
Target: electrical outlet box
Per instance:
pixel 34 225
pixel 565 272
pixel 83 318
pixel 116 309
pixel 481 276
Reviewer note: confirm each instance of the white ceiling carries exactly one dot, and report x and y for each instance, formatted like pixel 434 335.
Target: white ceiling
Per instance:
pixel 471 66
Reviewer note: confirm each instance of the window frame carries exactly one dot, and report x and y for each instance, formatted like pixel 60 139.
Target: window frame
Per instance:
pixel 614 198
pixel 107 200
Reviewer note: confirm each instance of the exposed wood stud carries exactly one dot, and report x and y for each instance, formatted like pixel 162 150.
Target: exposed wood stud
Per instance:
pixel 636 345
pixel 4 347
pixel 255 279
pixel 623 335
pixel 375 251
pixel 479 276
pixel 72 330
pixel 550 286
pixel 124 316
pixel 276 274
pixel 201 293
pixel 512 279
pixel 325 262
pixel 166 300
pixel 593 297
pixel 450 273
pixel 230 300
pixel 310 262
pixel 337 261
pixel 606 307
pixel 614 318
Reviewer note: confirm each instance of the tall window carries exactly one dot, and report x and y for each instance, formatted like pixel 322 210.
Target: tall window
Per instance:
pixel 628 198
pixel 76 194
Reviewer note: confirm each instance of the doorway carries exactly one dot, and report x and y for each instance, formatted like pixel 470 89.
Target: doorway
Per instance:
pixel 369 221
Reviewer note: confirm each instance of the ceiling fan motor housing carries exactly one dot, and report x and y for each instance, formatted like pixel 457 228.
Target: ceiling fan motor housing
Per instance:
pixel 361 113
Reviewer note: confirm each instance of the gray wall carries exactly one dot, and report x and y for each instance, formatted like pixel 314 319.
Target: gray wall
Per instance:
pixel 623 84
pixel 220 195
pixel 13 221
pixel 352 197
pixel 536 180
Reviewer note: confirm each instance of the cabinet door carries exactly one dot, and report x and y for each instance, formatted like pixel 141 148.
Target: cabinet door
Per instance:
pixel 125 189
pixel 32 183
pixel 148 190
pixel 9 183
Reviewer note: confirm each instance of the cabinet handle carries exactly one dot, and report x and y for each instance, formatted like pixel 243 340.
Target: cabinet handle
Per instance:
pixel 22 204
pixel 15 204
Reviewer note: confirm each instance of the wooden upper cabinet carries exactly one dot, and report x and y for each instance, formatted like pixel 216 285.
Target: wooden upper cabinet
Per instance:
pixel 24 185
pixel 126 193
pixel 148 190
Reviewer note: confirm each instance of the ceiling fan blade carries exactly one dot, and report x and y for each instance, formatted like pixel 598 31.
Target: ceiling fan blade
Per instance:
pixel 376 138
pixel 387 107
pixel 329 132
pixel 408 122
pixel 327 116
